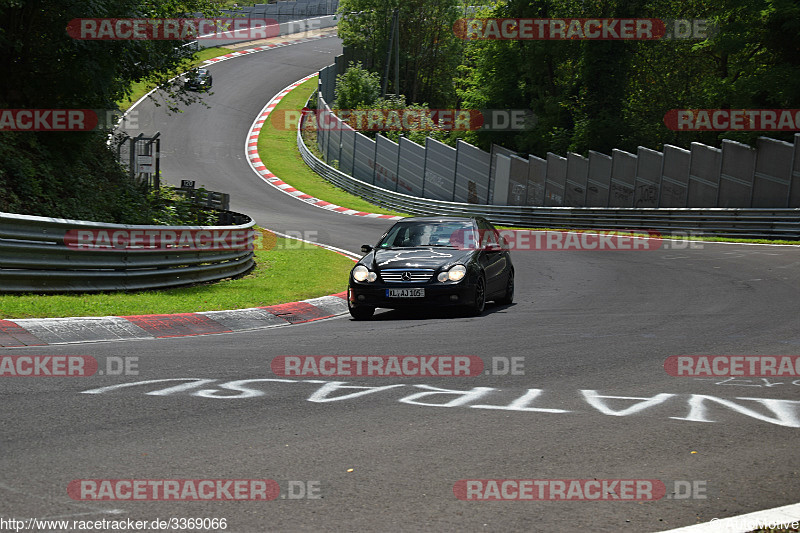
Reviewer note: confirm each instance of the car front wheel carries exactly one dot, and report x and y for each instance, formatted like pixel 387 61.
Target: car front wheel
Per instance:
pixel 479 303
pixel 362 313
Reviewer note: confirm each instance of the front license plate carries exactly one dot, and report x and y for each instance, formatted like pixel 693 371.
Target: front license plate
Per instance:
pixel 405 293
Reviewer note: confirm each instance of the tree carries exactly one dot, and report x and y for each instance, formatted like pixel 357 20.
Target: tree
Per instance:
pixel 429 50
pixel 47 68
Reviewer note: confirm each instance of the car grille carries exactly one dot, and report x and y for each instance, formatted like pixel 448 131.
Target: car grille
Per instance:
pixel 411 275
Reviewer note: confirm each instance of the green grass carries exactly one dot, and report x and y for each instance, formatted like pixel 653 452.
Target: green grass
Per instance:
pixel 142 88
pixel 291 271
pixel 277 148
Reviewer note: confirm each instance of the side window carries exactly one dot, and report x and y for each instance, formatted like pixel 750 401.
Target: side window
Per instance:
pixel 487 233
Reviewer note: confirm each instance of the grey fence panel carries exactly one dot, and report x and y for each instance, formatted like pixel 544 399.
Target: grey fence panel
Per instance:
pixel 412 166
pixel 537 177
pixel 330 84
pixel 327 83
pixel 577 180
pixel 339 66
pixel 334 152
pixel 473 167
pixel 773 172
pixel 556 180
pixel 440 170
pixel 363 166
pixel 598 186
pixel 386 159
pixel 323 134
pixel 674 177
pixel 502 178
pixel 736 175
pixel 518 182
pixel 35 257
pixel 794 192
pixel 322 84
pixel 704 170
pixel 648 177
pixel 347 150
pixel 623 178
pixel 496 150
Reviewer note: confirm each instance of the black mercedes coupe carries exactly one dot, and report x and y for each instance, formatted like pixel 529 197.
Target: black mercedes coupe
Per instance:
pixel 432 261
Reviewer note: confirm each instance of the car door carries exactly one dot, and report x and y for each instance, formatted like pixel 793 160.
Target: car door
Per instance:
pixel 494 258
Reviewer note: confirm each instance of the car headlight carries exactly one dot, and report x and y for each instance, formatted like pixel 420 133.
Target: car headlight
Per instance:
pixel 456 273
pixel 362 273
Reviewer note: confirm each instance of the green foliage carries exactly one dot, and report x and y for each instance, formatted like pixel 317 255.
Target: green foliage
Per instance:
pixel 428 129
pixel 169 208
pixel 357 87
pixel 601 95
pixel 46 61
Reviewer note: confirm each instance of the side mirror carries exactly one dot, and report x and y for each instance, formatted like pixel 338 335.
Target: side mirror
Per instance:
pixel 366 248
pixel 492 247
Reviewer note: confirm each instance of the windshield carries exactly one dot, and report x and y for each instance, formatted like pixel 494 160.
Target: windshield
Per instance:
pixel 411 234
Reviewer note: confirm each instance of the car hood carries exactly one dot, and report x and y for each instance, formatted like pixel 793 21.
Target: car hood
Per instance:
pixel 421 257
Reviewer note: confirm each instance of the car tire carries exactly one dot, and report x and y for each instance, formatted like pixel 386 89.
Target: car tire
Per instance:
pixel 479 303
pixel 508 298
pixel 362 312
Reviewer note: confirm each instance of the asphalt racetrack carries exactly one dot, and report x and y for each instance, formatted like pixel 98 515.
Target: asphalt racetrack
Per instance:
pixel 589 398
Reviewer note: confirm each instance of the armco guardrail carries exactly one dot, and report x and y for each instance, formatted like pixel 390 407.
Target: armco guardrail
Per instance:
pixel 35 258
pixel 728 222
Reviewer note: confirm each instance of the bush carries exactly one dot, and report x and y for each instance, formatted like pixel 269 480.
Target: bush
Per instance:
pixel 357 87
